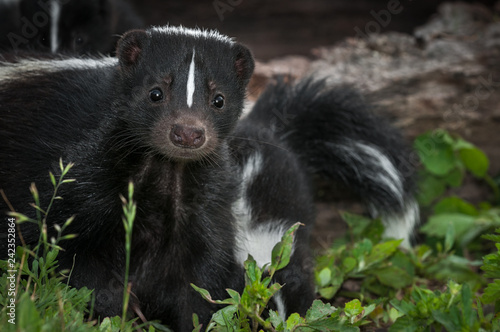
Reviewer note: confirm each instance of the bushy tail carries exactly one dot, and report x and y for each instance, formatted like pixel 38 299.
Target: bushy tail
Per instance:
pixel 336 135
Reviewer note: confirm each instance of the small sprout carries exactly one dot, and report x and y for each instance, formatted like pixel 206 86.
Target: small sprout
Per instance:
pixel 34 192
pixel 52 179
pixel 68 222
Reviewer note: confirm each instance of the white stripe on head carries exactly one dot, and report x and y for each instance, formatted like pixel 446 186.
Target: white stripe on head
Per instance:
pixel 190 83
pixel 196 33
pixel 55 13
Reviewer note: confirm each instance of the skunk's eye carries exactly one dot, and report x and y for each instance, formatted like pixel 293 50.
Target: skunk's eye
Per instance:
pixel 79 41
pixel 155 95
pixel 218 101
pixel 43 40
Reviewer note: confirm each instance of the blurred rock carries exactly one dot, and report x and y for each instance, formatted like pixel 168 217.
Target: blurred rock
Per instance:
pixel 445 75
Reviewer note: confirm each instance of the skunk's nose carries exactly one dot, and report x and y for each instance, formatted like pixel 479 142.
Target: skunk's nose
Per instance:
pixel 186 136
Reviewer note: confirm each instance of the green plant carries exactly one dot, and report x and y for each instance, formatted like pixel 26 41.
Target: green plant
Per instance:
pixel 129 211
pixel 491 267
pixel 445 160
pixel 39 298
pixel 245 312
pixel 370 281
pixel 42 301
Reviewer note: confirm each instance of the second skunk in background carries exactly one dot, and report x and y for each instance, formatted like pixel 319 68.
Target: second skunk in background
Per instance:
pixel 65 26
pixel 210 188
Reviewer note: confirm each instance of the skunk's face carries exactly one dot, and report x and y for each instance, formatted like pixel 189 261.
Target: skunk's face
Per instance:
pixel 186 89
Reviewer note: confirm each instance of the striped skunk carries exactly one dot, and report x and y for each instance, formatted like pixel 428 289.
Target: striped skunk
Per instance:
pixel 65 26
pixel 210 188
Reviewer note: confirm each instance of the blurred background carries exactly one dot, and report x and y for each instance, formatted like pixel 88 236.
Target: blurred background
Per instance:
pixel 275 28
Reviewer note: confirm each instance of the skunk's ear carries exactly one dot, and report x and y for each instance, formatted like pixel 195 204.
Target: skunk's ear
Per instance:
pixel 130 47
pixel 243 63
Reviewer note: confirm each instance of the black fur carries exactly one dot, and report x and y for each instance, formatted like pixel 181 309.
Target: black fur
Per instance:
pixel 103 120
pixel 204 182
pixel 320 122
pixel 85 26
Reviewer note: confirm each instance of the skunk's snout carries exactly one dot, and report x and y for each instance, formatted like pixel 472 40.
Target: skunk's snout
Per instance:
pixel 187 136
pixel 184 138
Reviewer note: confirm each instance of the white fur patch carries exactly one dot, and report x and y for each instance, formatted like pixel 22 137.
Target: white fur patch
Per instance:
pixel 280 305
pixel 259 242
pixel 190 82
pixel 381 170
pixel 241 208
pixel 385 172
pixel 197 33
pixel 55 13
pixel 251 169
pixel 247 108
pixel 13 71
pixel 402 226
pixel 256 240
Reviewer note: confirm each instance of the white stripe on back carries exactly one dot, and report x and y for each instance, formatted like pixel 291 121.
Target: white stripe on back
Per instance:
pixel 190 83
pixel 55 13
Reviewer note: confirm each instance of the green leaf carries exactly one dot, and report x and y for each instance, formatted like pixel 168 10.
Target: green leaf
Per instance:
pixel 455 204
pixel 460 144
pixel 109 325
pixel 324 277
pixel 475 161
pixel 319 310
pixel 357 224
pixel 328 292
pixel 362 249
pixel 329 324
pixel 382 251
pixel 394 314
pixel 449 237
pixel 225 316
pixel 436 155
pixel 403 261
pixel 234 295
pixel 294 320
pixel 447 319
pixel 405 324
pixel 196 324
pixel 28 317
pixel 52 179
pixel 437 225
pixel 393 277
pixel 403 306
pixel 253 273
pixel 348 264
pixel 283 249
pixel 20 218
pixel 276 320
pixel 492 292
pixel 430 188
pixel 454 178
pixel 468 311
pixel 374 231
pixel 353 308
pixel 203 292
